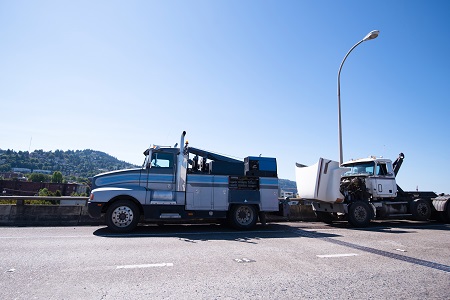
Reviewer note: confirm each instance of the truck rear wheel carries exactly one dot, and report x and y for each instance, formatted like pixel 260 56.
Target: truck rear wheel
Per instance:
pixel 420 210
pixel 122 216
pixel 359 214
pixel 243 217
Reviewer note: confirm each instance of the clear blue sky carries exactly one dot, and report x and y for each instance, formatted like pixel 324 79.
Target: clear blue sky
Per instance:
pixel 243 78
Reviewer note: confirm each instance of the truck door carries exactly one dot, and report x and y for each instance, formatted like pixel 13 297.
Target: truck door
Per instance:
pixel 161 178
pixel 385 185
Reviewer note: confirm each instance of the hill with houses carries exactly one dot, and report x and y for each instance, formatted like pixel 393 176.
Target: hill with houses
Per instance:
pixel 78 163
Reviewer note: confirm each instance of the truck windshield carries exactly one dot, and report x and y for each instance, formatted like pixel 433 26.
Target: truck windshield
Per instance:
pixel 364 168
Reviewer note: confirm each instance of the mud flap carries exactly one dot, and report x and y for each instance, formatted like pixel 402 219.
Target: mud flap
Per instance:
pixel 262 218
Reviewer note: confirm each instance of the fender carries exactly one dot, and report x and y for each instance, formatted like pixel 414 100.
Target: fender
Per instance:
pixel 105 194
pixel 101 196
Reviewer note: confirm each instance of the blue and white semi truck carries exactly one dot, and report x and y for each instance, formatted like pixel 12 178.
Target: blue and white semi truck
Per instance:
pixel 186 184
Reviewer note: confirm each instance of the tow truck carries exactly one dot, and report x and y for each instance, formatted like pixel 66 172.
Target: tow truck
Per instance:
pixel 186 184
pixel 364 189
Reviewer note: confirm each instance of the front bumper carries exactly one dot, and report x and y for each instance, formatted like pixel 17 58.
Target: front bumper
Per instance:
pixel 95 209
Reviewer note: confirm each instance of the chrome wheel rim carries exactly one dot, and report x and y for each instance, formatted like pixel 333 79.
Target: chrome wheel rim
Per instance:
pixel 244 215
pixel 122 216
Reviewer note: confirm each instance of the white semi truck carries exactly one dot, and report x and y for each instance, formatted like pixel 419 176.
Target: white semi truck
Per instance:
pixel 186 184
pixel 364 189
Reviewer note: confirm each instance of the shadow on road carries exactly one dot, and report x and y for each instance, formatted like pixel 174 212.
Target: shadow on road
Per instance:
pixel 207 232
pixel 387 226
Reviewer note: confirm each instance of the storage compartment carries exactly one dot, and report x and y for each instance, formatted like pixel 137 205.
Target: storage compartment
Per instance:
pixel 260 166
pixel 225 168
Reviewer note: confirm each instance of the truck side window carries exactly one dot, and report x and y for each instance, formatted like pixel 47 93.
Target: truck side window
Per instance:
pixel 162 160
pixel 382 169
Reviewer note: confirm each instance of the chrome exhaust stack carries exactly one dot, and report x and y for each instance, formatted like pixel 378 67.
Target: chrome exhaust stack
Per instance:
pixel 181 165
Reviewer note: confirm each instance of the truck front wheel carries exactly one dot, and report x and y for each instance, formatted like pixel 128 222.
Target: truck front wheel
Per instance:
pixel 420 210
pixel 243 217
pixel 122 216
pixel 359 214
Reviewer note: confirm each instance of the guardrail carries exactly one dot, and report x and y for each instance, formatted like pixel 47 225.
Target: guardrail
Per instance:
pixel 72 211
pixel 63 200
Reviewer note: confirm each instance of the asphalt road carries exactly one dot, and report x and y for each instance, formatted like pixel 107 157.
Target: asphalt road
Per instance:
pixel 395 260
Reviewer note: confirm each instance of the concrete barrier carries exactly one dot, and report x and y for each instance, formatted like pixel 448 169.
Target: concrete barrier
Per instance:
pixel 72 211
pixel 69 211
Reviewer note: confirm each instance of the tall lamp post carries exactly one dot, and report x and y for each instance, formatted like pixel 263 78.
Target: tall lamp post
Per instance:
pixel 370 36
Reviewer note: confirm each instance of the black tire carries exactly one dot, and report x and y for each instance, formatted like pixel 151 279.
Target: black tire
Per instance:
pixel 420 210
pixel 122 216
pixel 325 217
pixel 243 217
pixel 359 214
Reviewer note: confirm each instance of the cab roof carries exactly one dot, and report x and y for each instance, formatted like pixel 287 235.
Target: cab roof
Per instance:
pixel 367 159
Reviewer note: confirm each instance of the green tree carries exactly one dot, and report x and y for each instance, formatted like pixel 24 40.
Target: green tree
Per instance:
pixel 5 168
pixel 38 177
pixel 57 177
pixel 45 192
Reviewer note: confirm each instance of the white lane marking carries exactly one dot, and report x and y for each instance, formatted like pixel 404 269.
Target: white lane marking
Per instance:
pixel 337 255
pixel 145 266
pixel 243 260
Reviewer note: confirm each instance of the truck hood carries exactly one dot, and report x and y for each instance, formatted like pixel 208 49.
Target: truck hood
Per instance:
pixel 117 178
pixel 320 181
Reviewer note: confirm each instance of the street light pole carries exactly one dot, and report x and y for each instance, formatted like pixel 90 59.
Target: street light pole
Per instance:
pixel 370 36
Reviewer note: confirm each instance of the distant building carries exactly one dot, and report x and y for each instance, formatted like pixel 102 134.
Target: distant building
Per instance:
pixel 21 170
pixel 27 188
pixel 284 194
pixel 47 172
pixel 13 175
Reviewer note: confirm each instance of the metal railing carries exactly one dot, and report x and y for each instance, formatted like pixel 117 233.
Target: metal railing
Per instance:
pixel 53 200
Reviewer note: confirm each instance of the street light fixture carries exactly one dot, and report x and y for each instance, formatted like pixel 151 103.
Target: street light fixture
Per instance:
pixel 370 36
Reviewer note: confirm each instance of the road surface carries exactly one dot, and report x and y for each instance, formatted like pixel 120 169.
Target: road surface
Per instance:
pixel 389 260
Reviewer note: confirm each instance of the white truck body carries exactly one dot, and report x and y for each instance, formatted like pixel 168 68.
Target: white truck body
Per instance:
pixel 364 189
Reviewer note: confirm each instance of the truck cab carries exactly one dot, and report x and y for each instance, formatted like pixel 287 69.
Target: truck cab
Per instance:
pixel 376 173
